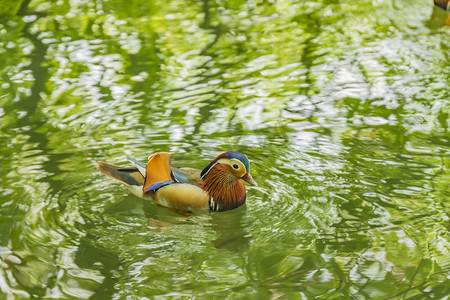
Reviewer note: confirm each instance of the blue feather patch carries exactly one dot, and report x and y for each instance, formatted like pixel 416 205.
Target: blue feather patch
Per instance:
pixel 158 185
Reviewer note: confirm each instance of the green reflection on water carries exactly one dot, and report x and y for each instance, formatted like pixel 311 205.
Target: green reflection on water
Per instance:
pixel 342 108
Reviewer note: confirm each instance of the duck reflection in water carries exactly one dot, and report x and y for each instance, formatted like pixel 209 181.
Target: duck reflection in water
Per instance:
pixel 231 234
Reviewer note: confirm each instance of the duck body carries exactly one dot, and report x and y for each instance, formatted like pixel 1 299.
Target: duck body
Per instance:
pixel 217 187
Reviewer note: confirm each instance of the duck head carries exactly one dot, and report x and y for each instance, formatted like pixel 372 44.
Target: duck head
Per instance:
pixel 221 179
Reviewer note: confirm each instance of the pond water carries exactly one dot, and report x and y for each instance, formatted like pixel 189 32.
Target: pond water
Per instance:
pixel 342 108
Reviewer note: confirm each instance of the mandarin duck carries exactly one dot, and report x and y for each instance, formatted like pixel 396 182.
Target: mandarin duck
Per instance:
pixel 217 187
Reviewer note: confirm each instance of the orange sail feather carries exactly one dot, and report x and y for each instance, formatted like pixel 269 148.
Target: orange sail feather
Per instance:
pixel 157 170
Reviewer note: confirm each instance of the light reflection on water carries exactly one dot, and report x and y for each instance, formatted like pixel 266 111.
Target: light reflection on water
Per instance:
pixel 342 109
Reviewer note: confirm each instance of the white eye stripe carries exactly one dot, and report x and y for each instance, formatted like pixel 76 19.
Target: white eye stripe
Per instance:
pixel 231 162
pixel 241 167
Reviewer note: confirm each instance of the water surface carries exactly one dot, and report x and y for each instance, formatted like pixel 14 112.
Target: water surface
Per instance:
pixel 341 106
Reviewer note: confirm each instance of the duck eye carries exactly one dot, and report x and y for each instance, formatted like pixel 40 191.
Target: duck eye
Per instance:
pixel 235 166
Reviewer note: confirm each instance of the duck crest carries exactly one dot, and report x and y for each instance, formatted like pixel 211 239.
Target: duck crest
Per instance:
pixel 226 191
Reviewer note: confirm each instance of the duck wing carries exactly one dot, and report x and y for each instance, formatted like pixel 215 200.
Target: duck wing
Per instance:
pixel 186 175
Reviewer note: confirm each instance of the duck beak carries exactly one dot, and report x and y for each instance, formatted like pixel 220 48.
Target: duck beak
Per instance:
pixel 247 177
